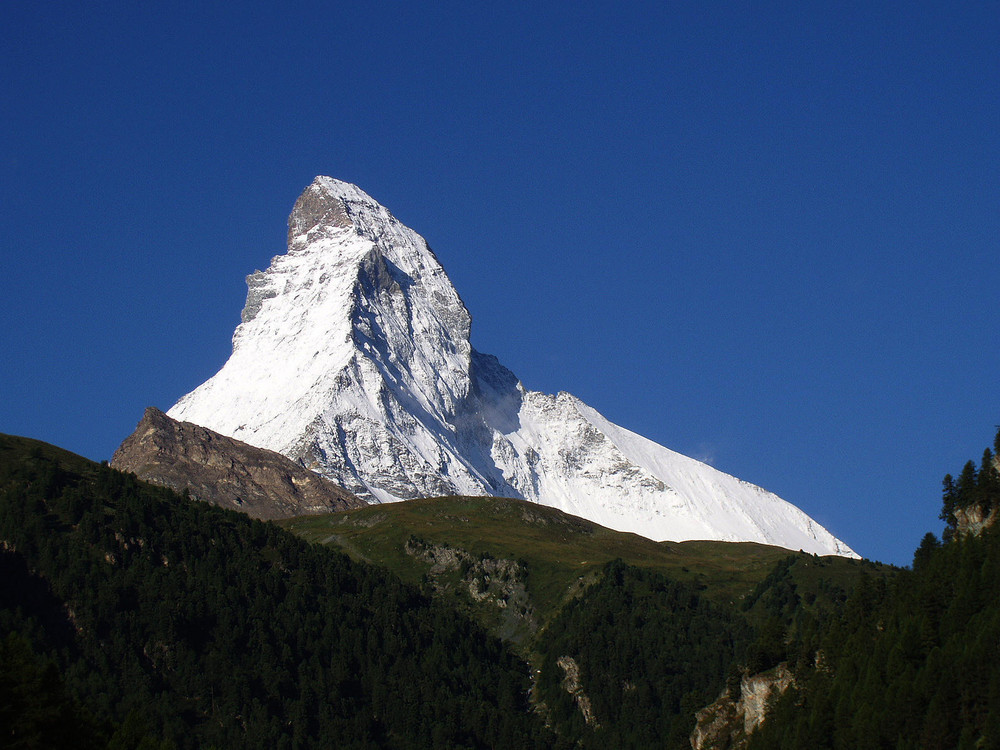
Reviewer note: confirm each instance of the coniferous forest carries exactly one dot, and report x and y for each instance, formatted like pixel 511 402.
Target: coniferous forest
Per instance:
pixel 653 651
pixel 133 617
pixel 912 663
pixel 136 617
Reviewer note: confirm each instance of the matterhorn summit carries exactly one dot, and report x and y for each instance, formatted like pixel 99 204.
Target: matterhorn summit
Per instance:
pixel 353 358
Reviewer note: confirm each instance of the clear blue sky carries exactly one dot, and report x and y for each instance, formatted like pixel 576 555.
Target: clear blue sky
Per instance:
pixel 762 234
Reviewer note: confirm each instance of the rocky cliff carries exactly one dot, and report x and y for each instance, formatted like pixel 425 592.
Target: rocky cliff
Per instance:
pixel 974 520
pixel 225 472
pixel 727 723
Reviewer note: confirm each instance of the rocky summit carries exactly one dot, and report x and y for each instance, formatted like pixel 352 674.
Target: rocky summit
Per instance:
pixel 353 358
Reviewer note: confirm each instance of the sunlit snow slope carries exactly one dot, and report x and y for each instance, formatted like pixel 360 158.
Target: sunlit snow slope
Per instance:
pixel 353 358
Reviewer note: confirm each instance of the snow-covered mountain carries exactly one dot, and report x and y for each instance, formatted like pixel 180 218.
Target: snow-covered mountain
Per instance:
pixel 353 357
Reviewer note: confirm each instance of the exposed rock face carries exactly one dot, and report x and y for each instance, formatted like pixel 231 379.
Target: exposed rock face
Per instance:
pixel 354 359
pixel 727 724
pixel 499 583
pixel 973 520
pixel 571 684
pixel 225 472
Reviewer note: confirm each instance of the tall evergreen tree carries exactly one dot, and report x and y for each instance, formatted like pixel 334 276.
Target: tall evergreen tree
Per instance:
pixel 949 494
pixel 988 482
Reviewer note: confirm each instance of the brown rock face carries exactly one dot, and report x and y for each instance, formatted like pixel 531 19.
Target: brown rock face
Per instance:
pixel 316 207
pixel 225 472
pixel 974 519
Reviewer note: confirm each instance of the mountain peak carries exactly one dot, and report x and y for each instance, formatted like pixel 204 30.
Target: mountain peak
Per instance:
pixel 321 204
pixel 354 359
pixel 328 205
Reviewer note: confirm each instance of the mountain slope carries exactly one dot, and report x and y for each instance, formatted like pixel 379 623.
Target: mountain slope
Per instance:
pixel 353 357
pixel 514 564
pixel 627 637
pixel 217 630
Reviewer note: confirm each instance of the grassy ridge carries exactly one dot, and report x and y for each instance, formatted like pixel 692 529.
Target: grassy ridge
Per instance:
pixel 560 553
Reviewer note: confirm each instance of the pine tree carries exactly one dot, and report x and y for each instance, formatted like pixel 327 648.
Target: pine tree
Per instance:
pixel 950 498
pixel 928 545
pixel 988 482
pixel 967 487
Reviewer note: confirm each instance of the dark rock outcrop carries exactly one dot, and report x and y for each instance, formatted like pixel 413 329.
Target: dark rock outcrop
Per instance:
pixel 226 472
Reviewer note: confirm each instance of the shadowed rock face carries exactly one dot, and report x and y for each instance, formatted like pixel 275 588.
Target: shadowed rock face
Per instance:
pixel 226 472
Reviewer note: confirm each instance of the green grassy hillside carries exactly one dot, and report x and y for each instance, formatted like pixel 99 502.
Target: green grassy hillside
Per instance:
pixel 546 557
